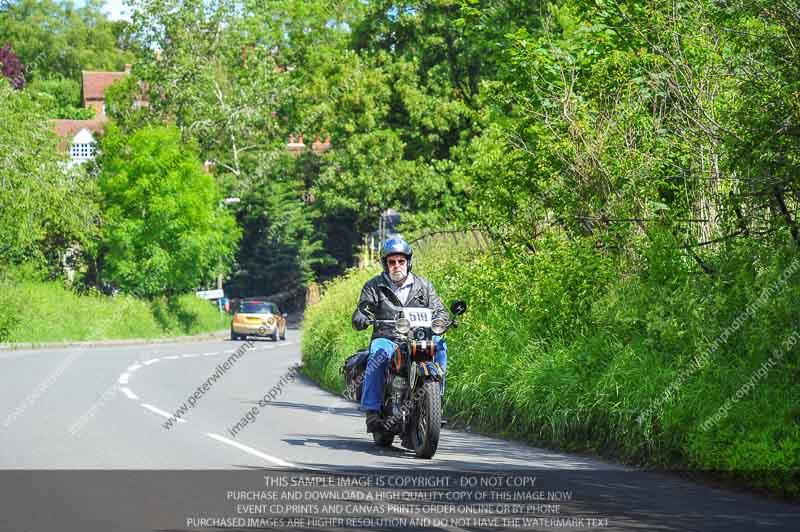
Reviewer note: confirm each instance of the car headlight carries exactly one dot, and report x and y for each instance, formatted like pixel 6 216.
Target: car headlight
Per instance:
pixel 403 325
pixel 438 326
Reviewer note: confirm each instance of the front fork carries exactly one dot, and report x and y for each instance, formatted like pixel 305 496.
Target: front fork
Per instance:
pixel 404 385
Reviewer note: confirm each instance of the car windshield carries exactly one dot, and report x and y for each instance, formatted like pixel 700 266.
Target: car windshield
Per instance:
pixel 259 307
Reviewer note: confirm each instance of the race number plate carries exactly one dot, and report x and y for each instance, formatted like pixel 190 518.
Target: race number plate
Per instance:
pixel 419 317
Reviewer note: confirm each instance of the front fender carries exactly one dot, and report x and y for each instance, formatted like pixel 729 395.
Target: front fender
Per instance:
pixel 429 371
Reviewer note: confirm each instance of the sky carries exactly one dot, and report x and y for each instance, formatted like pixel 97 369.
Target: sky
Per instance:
pixel 116 10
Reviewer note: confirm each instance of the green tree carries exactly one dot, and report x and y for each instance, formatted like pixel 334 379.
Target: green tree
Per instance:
pixel 230 78
pixel 392 137
pixel 164 231
pixel 213 80
pixel 761 131
pixel 57 38
pixel 612 118
pixel 402 100
pixel 281 246
pixel 293 28
pixel 45 207
pixel 60 97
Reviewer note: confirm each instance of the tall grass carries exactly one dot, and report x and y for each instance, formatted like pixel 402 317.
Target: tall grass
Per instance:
pixel 563 348
pixel 39 311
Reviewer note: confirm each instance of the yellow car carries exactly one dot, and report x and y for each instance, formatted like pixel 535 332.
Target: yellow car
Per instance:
pixel 258 317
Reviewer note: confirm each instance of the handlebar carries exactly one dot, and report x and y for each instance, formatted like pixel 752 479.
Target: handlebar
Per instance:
pixel 450 323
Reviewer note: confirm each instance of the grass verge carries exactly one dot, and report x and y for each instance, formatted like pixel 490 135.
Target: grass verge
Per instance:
pixel 41 312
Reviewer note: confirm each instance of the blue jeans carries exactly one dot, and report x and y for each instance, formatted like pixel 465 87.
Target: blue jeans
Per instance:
pixel 380 351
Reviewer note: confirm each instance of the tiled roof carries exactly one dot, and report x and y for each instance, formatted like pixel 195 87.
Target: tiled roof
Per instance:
pixel 67 129
pixel 96 83
pixel 70 127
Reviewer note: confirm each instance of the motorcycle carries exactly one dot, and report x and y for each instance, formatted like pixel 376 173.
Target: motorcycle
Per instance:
pixel 412 400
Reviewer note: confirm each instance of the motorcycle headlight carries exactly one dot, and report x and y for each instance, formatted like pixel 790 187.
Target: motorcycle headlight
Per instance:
pixel 403 325
pixel 438 326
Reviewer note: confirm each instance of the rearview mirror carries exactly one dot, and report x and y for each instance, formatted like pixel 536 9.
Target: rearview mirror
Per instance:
pixel 458 307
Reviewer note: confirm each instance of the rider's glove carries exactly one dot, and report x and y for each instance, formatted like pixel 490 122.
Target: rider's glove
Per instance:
pixel 360 321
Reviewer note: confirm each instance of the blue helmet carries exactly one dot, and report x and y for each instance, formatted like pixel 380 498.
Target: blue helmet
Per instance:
pixel 396 246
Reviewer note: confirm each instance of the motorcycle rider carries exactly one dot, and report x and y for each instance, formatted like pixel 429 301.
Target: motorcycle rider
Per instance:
pixel 383 296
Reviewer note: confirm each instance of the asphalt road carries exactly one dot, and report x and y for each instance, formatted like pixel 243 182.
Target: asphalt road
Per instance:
pixel 86 444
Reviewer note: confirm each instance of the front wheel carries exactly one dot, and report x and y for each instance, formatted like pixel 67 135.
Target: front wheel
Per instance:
pixel 425 434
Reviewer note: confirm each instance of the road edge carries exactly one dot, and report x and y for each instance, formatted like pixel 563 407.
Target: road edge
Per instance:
pixel 19 346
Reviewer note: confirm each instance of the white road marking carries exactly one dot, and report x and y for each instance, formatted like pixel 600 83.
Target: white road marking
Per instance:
pixel 134 367
pixel 209 354
pixel 151 361
pixel 129 393
pixel 172 357
pixel 254 452
pixel 161 412
pixel 123 379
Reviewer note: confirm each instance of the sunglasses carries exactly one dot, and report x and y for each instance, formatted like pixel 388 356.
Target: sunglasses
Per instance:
pixel 398 262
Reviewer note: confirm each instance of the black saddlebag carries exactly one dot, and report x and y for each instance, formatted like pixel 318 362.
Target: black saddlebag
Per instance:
pixel 354 369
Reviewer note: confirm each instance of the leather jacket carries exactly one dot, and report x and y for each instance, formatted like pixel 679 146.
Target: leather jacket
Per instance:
pixel 379 299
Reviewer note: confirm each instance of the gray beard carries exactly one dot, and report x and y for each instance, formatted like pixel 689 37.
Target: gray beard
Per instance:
pixel 397 276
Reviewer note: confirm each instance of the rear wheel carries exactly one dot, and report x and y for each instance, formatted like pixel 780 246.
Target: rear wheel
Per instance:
pixel 429 421
pixel 234 336
pixel 383 439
